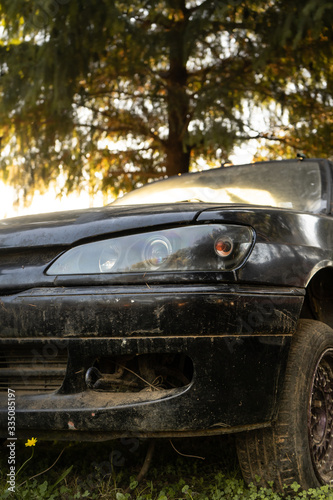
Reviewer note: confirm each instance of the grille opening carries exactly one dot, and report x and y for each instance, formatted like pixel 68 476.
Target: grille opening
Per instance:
pixel 137 373
pixel 32 370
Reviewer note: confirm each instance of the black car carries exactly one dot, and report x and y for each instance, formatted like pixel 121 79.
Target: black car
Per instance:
pixel 197 305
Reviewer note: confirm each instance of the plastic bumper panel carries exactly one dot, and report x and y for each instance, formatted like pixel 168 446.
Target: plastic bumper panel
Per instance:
pixel 237 341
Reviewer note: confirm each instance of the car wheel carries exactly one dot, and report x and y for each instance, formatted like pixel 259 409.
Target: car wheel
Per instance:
pixel 299 445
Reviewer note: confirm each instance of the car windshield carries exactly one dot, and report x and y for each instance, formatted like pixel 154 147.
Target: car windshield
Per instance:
pixel 293 185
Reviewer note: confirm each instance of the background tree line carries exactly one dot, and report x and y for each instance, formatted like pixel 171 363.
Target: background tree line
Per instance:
pixel 115 93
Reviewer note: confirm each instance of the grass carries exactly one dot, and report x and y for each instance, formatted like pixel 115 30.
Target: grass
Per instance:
pixel 109 471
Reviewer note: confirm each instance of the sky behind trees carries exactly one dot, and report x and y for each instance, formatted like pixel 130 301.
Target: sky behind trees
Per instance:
pixel 111 94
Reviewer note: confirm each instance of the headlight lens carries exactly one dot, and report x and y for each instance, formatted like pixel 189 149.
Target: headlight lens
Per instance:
pixel 157 251
pixel 211 247
pixel 108 258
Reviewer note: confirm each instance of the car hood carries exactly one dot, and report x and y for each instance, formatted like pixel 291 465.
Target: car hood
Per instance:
pixel 67 228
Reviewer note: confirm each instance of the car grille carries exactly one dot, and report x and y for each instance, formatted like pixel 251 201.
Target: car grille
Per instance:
pixel 31 371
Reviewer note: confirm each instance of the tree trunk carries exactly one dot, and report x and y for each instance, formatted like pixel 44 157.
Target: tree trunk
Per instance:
pixel 177 160
pixel 177 150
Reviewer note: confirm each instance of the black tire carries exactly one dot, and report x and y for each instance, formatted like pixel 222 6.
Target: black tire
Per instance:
pixel 299 445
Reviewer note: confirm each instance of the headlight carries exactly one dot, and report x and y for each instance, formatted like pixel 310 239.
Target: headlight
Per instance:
pixel 211 247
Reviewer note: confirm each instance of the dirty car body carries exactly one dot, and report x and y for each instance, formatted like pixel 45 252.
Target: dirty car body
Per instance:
pixel 171 312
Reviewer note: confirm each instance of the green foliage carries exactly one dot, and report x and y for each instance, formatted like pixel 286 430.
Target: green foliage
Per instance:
pixel 116 93
pixel 84 471
pixel 35 490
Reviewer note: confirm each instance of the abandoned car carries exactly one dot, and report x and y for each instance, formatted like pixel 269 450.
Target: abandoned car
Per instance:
pixel 196 305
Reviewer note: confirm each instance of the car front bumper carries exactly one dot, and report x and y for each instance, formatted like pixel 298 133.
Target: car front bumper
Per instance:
pixel 236 336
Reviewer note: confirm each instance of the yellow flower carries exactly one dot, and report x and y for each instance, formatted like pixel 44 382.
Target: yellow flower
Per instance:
pixel 31 442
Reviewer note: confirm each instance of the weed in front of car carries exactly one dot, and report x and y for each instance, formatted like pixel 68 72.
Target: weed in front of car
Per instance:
pixel 30 443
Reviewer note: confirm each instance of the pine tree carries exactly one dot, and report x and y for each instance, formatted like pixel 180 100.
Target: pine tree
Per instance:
pixel 121 92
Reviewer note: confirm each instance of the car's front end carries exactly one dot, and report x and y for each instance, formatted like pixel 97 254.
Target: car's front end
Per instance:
pixel 107 329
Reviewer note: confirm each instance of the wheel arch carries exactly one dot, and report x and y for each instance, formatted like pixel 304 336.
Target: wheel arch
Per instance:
pixel 318 301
